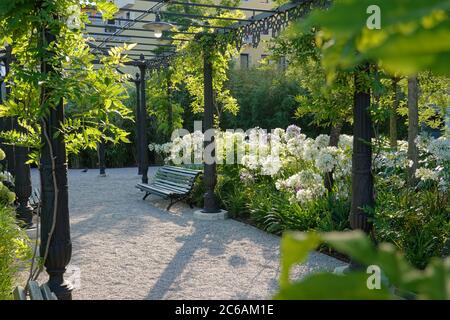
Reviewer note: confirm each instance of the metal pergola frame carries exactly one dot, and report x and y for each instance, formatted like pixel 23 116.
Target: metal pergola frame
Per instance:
pixel 267 20
pixel 251 28
pixel 263 22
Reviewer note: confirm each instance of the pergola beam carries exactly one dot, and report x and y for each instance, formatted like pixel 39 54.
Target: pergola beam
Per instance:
pixel 172 22
pixel 178 14
pixel 135 29
pixel 214 6
pixel 138 37
pixel 137 43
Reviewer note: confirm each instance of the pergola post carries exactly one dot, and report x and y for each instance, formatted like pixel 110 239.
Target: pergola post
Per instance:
pixel 101 158
pixel 57 250
pixel 8 121
pixel 209 175
pixel 362 179
pixel 22 185
pixel 2 98
pixel 137 82
pixel 169 105
pixel 143 122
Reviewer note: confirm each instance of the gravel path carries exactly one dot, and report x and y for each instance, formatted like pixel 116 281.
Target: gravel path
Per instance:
pixel 126 248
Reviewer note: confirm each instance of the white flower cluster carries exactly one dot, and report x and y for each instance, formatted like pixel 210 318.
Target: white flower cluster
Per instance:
pixel 6 176
pixel 298 164
pixel 304 186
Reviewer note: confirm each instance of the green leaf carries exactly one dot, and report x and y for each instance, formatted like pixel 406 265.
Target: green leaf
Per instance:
pixel 295 247
pixel 328 286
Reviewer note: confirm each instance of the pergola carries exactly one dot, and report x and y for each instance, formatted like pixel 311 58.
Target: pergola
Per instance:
pixel 260 22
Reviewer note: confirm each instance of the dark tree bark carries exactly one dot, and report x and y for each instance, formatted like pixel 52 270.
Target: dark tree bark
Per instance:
pixel 101 158
pixel 362 179
pixel 335 132
pixel 413 127
pixel 393 114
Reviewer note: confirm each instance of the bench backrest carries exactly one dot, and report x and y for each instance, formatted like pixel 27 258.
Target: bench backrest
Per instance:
pixel 36 292
pixel 178 177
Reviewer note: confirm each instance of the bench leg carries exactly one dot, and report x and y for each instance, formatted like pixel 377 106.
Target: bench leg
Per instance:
pixel 146 195
pixel 171 204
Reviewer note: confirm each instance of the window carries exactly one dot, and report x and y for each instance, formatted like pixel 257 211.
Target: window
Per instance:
pixel 111 28
pixel 244 61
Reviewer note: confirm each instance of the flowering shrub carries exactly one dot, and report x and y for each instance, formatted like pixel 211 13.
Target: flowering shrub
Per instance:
pixel 15 249
pixel 278 178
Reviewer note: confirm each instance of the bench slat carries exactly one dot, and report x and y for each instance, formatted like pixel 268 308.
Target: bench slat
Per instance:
pixel 167 188
pixel 175 184
pixel 47 294
pixel 170 187
pixel 179 173
pixel 19 293
pixel 147 187
pixel 184 170
pixel 174 178
pixel 35 291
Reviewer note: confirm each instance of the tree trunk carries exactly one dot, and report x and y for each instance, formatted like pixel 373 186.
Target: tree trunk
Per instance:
pixel 393 115
pixel 413 127
pixel 334 140
pixel 362 179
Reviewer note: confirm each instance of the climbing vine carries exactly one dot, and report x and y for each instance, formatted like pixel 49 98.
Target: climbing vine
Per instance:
pixel 188 64
pixel 92 93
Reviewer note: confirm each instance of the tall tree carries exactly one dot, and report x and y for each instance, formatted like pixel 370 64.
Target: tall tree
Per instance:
pixel 413 127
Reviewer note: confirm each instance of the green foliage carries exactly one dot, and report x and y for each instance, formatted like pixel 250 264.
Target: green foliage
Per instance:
pixel 329 104
pixel 417 222
pixel 93 95
pixel 413 37
pixel 219 47
pixel 432 283
pixel 15 250
pixel 159 100
pixel 266 98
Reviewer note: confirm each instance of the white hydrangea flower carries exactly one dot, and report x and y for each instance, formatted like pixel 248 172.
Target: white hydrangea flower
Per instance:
pixel 271 165
pixel 425 174
pixel 326 159
pixel 292 131
pixel 440 148
pixel 322 141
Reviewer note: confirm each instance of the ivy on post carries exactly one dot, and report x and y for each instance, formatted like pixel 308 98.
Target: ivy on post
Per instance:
pixel 56 245
pixel 143 122
pixel 362 179
pixel 210 175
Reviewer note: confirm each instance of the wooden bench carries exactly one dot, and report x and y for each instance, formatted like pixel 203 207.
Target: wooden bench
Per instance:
pixel 36 292
pixel 174 183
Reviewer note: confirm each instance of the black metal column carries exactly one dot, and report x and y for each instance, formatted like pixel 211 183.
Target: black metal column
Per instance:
pixel 137 82
pixel 210 175
pixel 56 251
pixel 2 120
pixel 362 179
pixel 169 105
pixel 143 123
pixel 8 121
pixel 22 186
pixel 101 158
